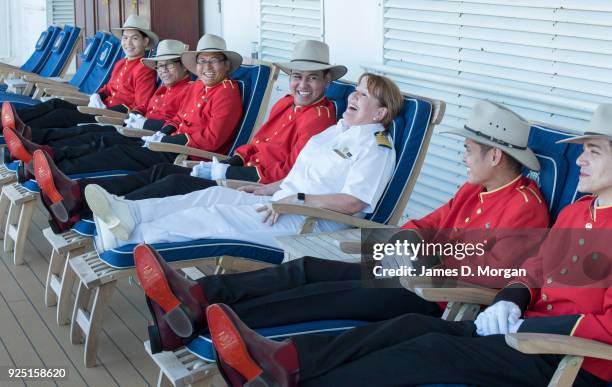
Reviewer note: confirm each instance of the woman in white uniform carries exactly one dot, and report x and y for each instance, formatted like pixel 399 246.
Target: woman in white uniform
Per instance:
pixel 344 168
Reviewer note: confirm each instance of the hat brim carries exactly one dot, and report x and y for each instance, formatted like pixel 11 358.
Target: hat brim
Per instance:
pixel 151 62
pixel 336 71
pixel 189 59
pixel 523 156
pixel 153 38
pixel 584 138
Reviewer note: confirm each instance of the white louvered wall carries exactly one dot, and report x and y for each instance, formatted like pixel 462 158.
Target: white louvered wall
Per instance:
pixel 549 60
pixel 60 12
pixel 284 22
pixel 5 30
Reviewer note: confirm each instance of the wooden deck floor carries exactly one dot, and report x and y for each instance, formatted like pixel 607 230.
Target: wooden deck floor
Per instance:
pixel 30 336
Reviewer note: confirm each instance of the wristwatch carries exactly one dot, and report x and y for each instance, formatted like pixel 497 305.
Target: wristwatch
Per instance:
pixel 301 198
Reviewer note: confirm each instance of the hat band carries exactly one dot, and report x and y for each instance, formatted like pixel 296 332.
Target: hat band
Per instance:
pixel 163 56
pixel 493 139
pixel 310 60
pixel 596 134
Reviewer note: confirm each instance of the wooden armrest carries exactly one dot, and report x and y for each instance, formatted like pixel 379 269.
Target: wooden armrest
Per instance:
pixel 100 112
pixel 544 343
pixel 184 150
pixel 18 72
pixel 350 247
pixel 109 120
pixel 191 164
pixel 33 78
pixel 4 66
pixel 300 209
pixel 65 92
pixel 448 290
pixel 235 184
pixel 75 100
pixel 44 83
pixel 134 132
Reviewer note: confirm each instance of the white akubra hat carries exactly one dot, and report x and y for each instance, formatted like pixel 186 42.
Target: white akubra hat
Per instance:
pixel 312 55
pixel 137 22
pixel 167 49
pixel 211 43
pixel 600 127
pixel 496 125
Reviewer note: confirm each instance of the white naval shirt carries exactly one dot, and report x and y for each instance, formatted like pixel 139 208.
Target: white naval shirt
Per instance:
pixel 342 159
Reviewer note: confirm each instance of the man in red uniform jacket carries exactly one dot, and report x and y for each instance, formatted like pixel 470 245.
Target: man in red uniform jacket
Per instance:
pixel 414 350
pixel 267 158
pixel 130 86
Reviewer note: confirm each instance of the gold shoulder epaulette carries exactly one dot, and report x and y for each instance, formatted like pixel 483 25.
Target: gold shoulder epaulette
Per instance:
pixel 319 108
pixel 523 189
pixel 383 140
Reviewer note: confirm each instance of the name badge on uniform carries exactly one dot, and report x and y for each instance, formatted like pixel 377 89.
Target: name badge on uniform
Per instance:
pixel 344 153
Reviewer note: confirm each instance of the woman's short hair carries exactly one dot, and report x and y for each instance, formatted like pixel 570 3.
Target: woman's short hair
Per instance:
pixel 387 93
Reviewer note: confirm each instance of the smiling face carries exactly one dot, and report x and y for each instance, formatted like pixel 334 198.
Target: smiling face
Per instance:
pixel 595 164
pixel 170 71
pixel 479 166
pixel 307 87
pixel 133 43
pixel 363 108
pixel 212 68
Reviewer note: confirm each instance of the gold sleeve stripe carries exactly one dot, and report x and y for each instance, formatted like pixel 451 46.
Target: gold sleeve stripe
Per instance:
pixel 258 174
pixel 576 325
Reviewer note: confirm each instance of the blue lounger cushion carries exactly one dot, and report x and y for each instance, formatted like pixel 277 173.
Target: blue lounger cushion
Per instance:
pixel 32 185
pixel 123 257
pixel 202 346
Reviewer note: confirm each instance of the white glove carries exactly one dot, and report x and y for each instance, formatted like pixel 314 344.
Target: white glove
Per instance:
pixel 498 318
pixel 217 169
pixel 137 121
pixel 156 137
pixel 128 121
pixel 202 170
pixel 96 102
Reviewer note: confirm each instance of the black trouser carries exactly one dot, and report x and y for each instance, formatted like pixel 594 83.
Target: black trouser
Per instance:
pixel 309 289
pixel 108 153
pixel 53 135
pixel 54 113
pixel 415 349
pixel 158 181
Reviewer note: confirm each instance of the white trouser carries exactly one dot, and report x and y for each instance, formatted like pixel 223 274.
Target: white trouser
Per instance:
pixel 216 212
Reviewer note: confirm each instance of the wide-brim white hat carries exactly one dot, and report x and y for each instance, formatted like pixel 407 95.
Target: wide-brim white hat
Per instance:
pixel 496 125
pixel 312 55
pixel 167 49
pixel 600 127
pixel 211 43
pixel 137 22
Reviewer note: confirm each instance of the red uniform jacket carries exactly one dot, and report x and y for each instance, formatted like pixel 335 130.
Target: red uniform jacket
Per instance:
pixel 517 205
pixel 275 147
pixel 131 84
pixel 576 311
pixel 166 101
pixel 209 116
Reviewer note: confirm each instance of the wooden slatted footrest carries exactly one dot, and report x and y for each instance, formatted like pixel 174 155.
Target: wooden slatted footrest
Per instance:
pixel 60 277
pixel 182 368
pixel 21 204
pixel 7 176
pixel 98 280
